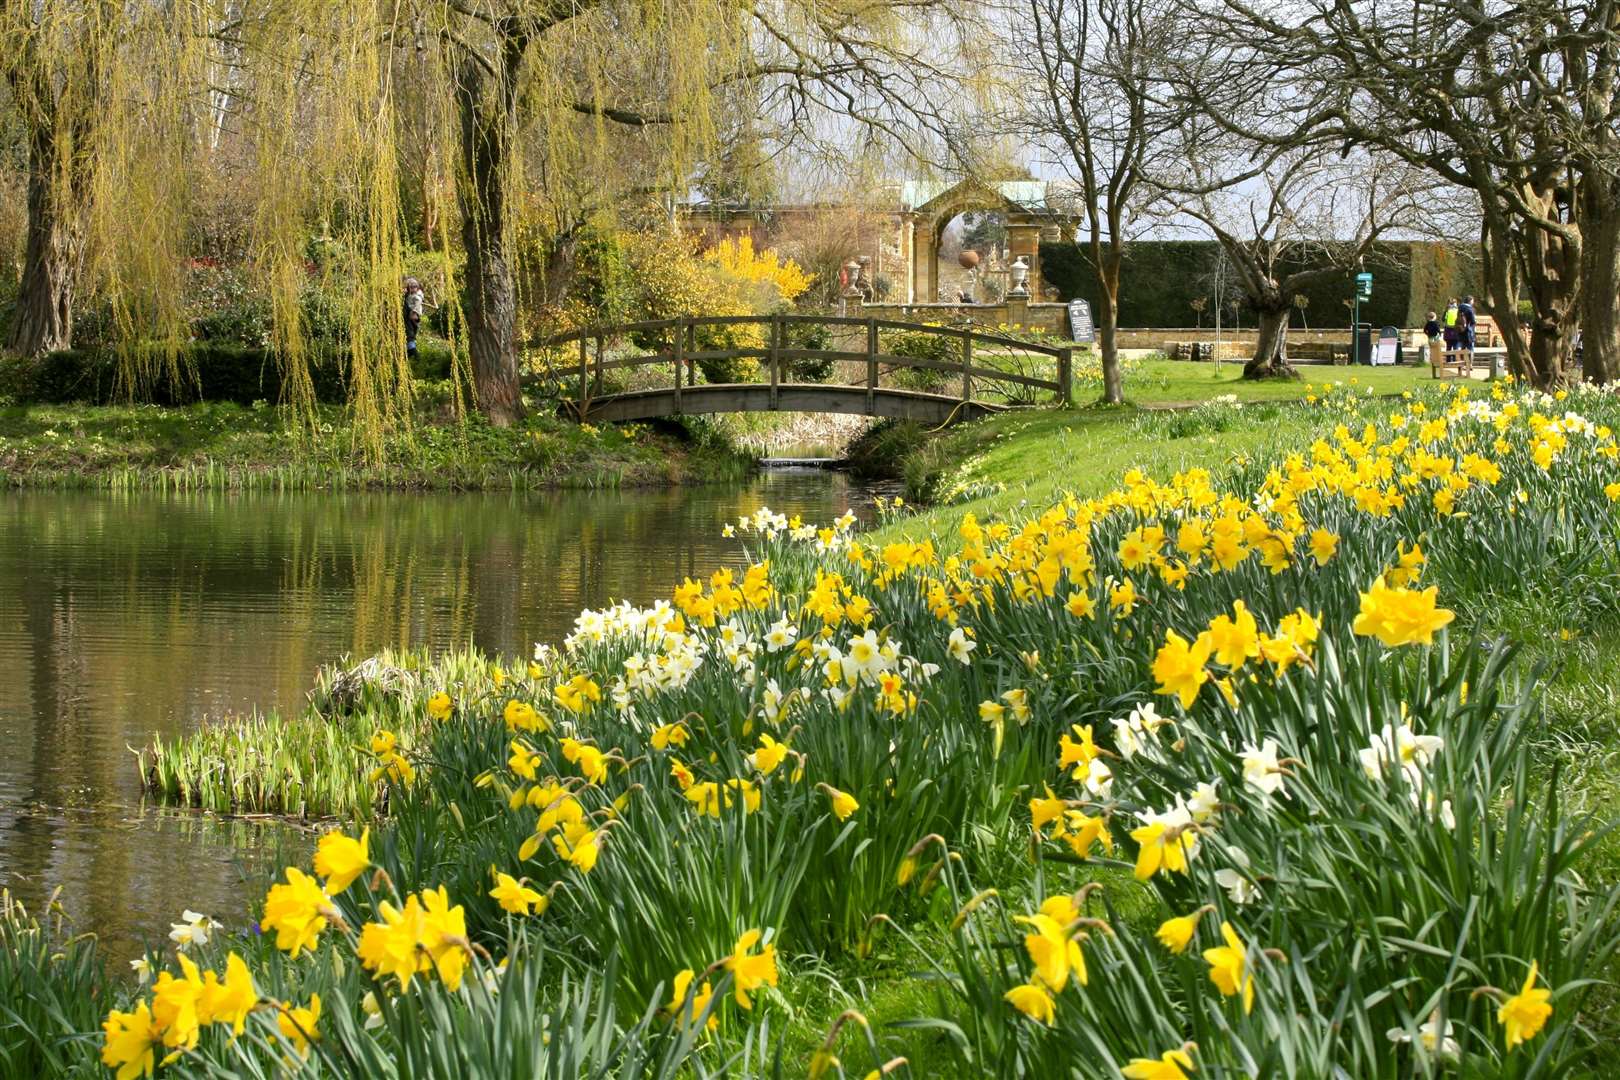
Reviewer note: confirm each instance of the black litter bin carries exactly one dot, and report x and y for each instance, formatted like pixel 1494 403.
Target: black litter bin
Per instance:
pixel 1362 351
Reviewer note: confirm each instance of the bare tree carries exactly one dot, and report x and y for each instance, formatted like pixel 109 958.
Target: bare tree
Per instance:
pixel 1289 222
pixel 1518 103
pixel 1094 66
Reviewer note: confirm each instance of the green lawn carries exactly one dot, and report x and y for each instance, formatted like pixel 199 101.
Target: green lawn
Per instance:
pixel 1186 381
pixel 1024 462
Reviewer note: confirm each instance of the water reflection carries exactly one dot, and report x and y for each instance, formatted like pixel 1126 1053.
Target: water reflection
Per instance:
pixel 124 615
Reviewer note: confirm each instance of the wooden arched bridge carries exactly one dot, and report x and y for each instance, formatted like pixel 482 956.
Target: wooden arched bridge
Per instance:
pixel 804 363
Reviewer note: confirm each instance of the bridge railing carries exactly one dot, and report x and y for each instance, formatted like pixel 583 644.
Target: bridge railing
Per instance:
pixel 964 363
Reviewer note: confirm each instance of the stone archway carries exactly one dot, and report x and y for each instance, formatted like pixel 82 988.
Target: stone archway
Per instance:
pixel 1020 202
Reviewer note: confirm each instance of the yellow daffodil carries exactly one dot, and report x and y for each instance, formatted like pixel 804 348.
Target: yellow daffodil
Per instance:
pixel 1179 667
pixel 516 897
pixel 1033 1001
pixel 1176 934
pixel 1229 967
pixel 174 1005
pixel 769 756
pixel 340 859
pixel 1324 545
pixel 230 1001
pixel 298 1025
pixel 681 986
pixel 1171 1065
pixel 1524 1014
pixel 296 912
pixel 1235 638
pixel 130 1041
pixel 1400 616
pixel 751 970
pixel 843 803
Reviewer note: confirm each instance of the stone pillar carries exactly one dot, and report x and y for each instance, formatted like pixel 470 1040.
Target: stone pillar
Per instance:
pixel 908 261
pixel 1024 238
pixel 1018 312
pixel 923 258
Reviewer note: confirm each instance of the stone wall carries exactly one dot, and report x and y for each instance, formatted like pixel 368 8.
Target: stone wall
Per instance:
pixel 1052 318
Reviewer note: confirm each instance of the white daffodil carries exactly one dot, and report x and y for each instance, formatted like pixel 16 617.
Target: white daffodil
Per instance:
pixel 1127 738
pixel 143 970
pixel 865 654
pixel 1261 770
pixel 1434 1037
pixel 1399 745
pixel 1235 879
pixel 1099 780
pixel 1204 801
pixel 960 646
pixel 193 930
pixel 781 635
pixel 1147 718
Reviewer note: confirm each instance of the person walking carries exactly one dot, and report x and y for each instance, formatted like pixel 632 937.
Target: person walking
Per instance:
pixel 1467 322
pixel 413 315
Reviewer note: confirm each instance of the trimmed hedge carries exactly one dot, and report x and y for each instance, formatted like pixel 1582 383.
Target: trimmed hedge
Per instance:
pixel 1159 279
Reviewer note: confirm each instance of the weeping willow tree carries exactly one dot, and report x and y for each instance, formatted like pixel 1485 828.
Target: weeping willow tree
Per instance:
pixel 96 87
pixel 486 112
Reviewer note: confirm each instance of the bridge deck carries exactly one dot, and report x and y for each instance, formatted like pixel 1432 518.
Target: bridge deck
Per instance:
pixel 1004 370
pixel 785 397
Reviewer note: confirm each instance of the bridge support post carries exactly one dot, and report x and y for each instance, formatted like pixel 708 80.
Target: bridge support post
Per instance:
pixel 774 357
pixel 680 360
pixel 584 399
pixel 967 364
pixel 596 383
pixel 871 365
pixel 1065 375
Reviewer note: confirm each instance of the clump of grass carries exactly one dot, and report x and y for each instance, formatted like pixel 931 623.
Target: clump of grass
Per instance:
pixel 312 765
pixel 53 991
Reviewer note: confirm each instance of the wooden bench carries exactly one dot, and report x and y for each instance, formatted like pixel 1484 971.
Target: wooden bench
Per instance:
pixel 1459 362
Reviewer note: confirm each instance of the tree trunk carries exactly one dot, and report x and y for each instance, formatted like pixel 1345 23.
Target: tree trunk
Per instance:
pixel 1108 325
pixel 43 320
pixel 1270 360
pixel 491 300
pixel 1600 282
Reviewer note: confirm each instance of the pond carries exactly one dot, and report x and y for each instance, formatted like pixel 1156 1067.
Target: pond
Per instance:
pixel 122 615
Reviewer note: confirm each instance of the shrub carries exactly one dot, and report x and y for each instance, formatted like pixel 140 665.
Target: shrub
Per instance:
pixel 209 372
pixel 920 345
pixel 881 451
pixel 807 336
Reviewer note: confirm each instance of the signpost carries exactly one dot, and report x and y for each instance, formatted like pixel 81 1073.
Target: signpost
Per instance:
pixel 1080 328
pixel 1363 292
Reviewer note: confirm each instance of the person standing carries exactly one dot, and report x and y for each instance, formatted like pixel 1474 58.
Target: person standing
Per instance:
pixel 1466 325
pixel 1431 332
pixel 413 315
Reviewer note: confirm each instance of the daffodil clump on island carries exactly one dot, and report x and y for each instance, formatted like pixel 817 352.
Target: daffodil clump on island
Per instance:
pixel 1195 778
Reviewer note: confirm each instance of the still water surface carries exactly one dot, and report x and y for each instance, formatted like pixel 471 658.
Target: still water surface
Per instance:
pixel 124 615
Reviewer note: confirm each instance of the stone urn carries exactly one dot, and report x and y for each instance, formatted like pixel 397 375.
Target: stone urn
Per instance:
pixel 1018 279
pixel 969 259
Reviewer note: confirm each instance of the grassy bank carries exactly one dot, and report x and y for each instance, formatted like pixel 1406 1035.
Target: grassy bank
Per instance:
pixel 1366 900
pixel 1179 416
pixel 232 446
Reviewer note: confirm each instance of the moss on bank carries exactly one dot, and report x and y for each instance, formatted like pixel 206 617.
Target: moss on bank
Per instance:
pixel 223 445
